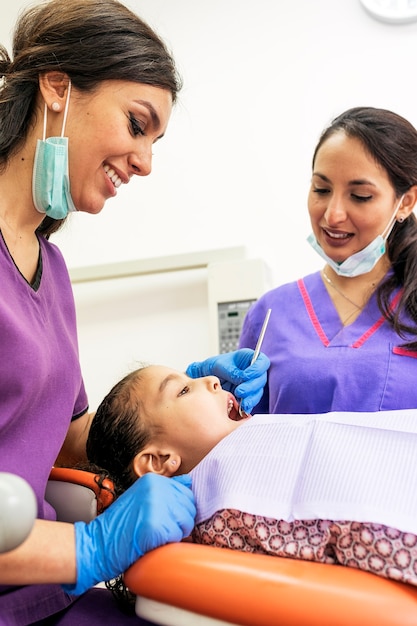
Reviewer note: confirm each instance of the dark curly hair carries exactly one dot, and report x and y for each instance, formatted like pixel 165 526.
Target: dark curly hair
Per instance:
pixel 116 435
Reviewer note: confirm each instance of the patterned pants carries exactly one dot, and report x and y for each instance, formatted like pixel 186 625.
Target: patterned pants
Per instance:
pixel 371 547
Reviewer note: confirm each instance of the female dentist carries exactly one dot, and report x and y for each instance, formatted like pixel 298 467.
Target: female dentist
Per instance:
pixel 88 91
pixel 345 338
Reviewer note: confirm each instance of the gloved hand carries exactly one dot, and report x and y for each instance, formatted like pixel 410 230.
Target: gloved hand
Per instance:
pixel 236 374
pixel 154 511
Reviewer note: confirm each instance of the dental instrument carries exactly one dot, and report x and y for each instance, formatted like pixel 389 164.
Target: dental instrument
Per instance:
pixel 257 349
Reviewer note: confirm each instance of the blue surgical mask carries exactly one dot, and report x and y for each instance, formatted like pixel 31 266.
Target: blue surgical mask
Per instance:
pixel 363 261
pixel 50 180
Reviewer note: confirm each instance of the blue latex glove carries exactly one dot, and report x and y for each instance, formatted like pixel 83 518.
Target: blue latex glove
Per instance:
pixel 154 511
pixel 236 374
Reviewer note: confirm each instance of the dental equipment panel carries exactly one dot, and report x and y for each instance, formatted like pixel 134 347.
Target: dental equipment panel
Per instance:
pixel 232 288
pixel 230 320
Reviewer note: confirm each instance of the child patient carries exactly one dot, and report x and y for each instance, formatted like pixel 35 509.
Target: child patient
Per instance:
pixel 334 488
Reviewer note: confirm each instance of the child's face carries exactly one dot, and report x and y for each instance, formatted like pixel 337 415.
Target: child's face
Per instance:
pixel 193 414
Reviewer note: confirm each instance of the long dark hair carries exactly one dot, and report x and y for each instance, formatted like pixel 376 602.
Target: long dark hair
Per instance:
pixel 91 41
pixel 392 141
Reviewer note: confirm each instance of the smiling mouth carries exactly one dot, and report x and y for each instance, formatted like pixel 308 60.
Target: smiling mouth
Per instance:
pixel 338 236
pixel 115 179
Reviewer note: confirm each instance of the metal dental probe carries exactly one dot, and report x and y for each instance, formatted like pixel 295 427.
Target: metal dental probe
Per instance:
pixel 257 349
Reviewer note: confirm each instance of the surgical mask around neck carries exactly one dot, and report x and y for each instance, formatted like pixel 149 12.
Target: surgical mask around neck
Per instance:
pixel 50 179
pixel 363 261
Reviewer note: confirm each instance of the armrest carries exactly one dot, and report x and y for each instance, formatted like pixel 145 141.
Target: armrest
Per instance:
pixel 76 495
pixel 249 589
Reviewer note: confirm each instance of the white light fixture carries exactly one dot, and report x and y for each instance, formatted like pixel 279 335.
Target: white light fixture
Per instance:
pixel 392 11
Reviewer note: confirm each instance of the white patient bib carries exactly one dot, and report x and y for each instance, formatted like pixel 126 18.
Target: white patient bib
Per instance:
pixel 336 466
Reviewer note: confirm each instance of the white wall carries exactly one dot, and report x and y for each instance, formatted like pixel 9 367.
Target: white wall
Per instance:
pixel 261 80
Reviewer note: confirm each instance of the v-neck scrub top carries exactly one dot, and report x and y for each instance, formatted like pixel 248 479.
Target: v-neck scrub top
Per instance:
pixel 41 390
pixel 318 365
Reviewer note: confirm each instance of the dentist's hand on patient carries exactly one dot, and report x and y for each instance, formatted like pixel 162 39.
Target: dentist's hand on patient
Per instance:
pixel 154 511
pixel 236 374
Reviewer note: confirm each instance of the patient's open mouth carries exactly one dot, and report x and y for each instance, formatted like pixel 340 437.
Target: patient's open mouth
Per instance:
pixel 233 408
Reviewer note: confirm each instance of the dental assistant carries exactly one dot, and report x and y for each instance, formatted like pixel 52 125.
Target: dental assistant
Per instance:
pixel 88 91
pixel 345 338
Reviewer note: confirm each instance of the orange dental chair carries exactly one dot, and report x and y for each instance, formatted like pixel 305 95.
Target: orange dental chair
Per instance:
pixel 193 585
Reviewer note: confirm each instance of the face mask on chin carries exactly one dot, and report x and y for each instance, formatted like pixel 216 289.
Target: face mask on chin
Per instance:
pixel 50 179
pixel 363 261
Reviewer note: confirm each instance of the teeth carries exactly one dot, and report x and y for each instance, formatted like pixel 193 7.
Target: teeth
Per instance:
pixel 115 179
pixel 337 235
pixel 230 407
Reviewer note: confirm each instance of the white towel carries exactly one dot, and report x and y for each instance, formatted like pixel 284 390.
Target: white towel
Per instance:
pixel 338 466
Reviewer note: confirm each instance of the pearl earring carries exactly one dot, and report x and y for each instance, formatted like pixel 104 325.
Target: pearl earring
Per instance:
pixel 56 106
